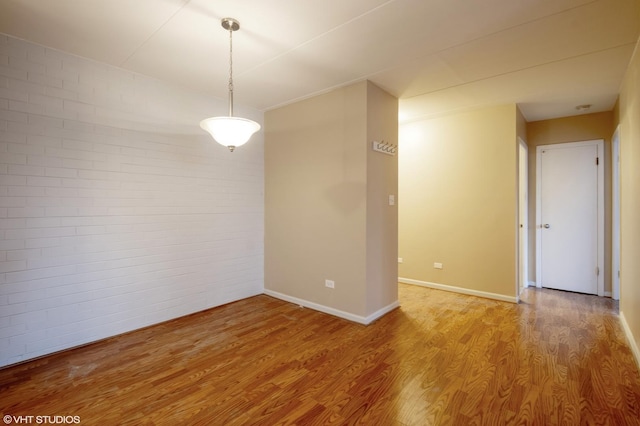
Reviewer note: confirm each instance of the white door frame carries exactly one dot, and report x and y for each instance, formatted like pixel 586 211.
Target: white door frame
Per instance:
pixel 523 218
pixel 600 194
pixel 615 214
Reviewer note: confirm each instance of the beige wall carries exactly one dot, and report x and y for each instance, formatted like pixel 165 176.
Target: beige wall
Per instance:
pixel 563 130
pixel 382 219
pixel 458 187
pixel 323 193
pixel 521 125
pixel 629 113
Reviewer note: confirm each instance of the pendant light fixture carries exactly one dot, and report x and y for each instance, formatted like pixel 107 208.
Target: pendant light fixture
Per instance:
pixel 230 131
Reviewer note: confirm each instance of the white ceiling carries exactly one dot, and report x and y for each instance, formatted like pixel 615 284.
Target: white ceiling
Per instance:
pixel 437 56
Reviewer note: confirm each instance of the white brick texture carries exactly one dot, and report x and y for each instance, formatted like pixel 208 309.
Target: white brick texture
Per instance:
pixel 116 210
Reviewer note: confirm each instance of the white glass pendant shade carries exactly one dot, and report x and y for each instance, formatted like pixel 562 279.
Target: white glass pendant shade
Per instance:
pixel 230 131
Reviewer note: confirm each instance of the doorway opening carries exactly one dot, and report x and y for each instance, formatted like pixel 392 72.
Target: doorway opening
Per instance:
pixel 523 220
pixel 615 213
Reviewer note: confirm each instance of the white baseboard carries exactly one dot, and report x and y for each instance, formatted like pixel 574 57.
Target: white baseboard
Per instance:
pixel 461 290
pixel 335 312
pixel 531 284
pixel 632 342
pixel 607 294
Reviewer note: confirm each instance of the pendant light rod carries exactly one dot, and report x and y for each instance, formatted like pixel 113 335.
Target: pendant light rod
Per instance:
pixel 231 25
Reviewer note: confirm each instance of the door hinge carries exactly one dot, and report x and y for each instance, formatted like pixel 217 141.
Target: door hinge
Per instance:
pixel 597 161
pixel 597 270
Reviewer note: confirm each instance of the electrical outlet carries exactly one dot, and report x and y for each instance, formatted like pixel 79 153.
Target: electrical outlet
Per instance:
pixel 400 260
pixel 329 283
pixel 437 265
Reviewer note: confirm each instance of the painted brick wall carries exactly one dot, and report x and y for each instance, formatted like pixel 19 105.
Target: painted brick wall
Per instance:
pixel 116 210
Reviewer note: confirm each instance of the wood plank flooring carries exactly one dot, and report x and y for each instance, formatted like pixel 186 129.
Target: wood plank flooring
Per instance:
pixel 440 359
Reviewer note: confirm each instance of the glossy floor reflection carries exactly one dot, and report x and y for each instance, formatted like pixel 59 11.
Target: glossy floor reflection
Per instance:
pixel 441 359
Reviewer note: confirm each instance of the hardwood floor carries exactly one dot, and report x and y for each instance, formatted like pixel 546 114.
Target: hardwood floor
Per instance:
pixel 440 359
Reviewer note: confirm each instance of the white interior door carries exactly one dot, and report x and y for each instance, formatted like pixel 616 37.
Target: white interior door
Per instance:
pixel 568 226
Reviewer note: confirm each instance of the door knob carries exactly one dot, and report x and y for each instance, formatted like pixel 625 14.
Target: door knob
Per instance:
pixel 546 226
